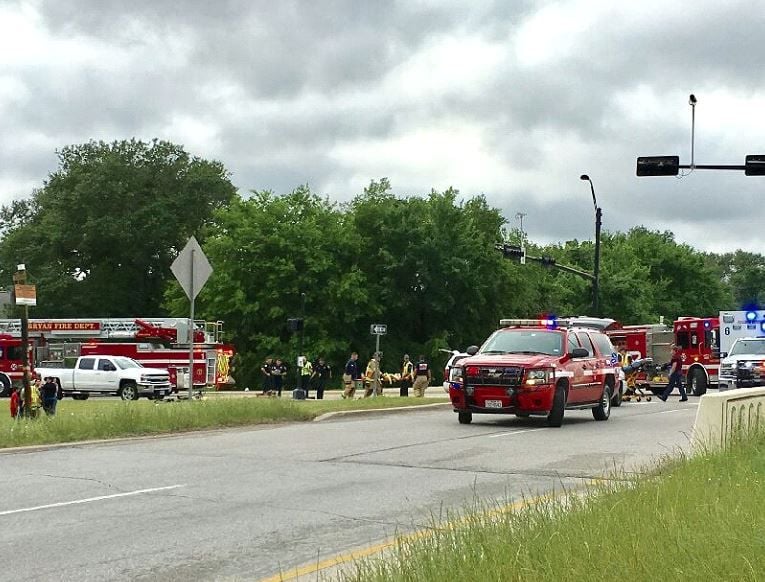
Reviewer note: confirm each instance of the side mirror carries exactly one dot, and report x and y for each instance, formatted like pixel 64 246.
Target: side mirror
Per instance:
pixel 579 353
pixel 472 350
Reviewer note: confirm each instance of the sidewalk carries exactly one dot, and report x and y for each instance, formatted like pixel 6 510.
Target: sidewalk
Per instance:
pixel 431 392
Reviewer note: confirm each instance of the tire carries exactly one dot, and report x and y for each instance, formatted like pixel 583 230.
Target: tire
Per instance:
pixel 5 385
pixel 616 401
pixel 80 396
pixel 555 418
pixel 522 414
pixel 603 410
pixel 129 391
pixel 697 383
pixel 465 417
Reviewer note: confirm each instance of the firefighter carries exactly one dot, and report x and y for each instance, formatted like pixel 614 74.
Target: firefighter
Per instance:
pixel 422 377
pixel 306 371
pixel 351 376
pixel 372 377
pixel 407 376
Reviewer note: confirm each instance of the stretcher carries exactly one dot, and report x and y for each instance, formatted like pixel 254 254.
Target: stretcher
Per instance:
pixel 635 382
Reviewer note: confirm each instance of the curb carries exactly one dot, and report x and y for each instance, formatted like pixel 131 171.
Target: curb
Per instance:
pixel 378 411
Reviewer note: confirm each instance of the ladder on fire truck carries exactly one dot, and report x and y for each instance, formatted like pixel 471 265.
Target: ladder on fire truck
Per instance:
pixel 173 329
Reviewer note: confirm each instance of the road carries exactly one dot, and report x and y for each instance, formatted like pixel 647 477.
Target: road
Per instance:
pixel 248 503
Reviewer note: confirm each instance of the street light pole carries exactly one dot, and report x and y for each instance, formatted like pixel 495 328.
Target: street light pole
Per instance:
pixel 20 278
pixel 300 343
pixel 598 224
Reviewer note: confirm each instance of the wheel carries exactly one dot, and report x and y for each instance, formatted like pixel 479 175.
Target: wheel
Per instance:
pixel 603 410
pixel 647 398
pixel 619 396
pixel 129 391
pixel 80 396
pixel 555 418
pixel 638 399
pixel 5 385
pixel 697 383
pixel 522 414
pixel 465 417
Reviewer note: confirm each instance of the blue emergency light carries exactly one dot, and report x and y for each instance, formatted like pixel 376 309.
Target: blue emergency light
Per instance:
pixel 751 315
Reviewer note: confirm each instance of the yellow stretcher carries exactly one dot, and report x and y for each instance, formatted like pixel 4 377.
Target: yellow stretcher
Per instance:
pixel 632 372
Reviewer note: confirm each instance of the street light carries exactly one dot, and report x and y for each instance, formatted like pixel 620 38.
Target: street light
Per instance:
pixel 598 223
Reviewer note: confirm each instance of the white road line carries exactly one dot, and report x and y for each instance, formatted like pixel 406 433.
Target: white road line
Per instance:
pixel 494 436
pixel 676 410
pixel 89 499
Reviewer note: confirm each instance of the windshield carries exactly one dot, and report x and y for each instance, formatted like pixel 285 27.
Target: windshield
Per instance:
pixel 752 346
pixel 524 341
pixel 125 363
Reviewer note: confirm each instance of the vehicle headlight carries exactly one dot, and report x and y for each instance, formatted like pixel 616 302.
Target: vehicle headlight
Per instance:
pixel 539 376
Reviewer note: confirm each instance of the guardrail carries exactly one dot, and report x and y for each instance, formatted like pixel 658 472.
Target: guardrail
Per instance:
pixel 723 415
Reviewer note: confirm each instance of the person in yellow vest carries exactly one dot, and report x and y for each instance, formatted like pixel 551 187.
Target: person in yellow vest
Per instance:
pixel 306 371
pixel 372 377
pixel 407 376
pixel 422 377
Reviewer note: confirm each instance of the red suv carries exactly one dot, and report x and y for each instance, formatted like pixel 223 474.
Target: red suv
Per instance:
pixel 538 367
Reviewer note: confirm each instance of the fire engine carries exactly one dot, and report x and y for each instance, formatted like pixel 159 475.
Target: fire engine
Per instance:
pixel 698 339
pixel 155 342
pixel 11 363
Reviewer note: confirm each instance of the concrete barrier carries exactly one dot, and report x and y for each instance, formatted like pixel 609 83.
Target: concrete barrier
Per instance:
pixel 724 414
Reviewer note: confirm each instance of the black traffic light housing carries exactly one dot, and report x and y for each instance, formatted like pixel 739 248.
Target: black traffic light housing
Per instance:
pixel 548 261
pixel 295 323
pixel 658 166
pixel 512 252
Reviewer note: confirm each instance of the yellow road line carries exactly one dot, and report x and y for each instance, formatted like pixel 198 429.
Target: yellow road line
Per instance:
pixel 347 557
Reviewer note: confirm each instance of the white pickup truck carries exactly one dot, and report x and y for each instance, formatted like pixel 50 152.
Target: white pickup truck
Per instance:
pixel 110 375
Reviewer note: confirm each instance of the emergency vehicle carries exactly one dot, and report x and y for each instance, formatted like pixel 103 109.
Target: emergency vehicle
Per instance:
pixel 698 339
pixel 153 342
pixel 11 363
pixel 538 367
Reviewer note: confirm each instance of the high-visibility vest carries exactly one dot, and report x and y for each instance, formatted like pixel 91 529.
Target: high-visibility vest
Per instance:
pixel 307 369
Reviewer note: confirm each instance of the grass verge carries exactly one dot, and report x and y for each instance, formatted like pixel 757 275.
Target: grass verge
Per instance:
pixel 99 419
pixel 701 518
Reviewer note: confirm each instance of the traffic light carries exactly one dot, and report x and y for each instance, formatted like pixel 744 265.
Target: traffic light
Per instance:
pixel 548 261
pixel 755 166
pixel 295 323
pixel 658 166
pixel 512 252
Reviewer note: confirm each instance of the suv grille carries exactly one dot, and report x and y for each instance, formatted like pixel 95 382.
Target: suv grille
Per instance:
pixel 497 376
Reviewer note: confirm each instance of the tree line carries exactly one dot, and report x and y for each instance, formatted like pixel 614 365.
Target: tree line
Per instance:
pixel 99 236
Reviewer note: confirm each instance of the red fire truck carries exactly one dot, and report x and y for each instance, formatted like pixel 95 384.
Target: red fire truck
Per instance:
pixel 698 339
pixel 155 342
pixel 11 363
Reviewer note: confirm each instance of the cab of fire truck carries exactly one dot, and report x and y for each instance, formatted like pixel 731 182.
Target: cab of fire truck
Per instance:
pixel 698 339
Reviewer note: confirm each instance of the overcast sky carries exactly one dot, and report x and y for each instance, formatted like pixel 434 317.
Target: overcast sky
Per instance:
pixel 513 99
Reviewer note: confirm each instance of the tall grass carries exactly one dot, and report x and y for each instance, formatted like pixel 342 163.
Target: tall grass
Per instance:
pixel 701 518
pixel 98 419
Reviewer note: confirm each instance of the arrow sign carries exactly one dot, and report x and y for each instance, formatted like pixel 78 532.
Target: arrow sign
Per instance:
pixel 378 329
pixel 191 268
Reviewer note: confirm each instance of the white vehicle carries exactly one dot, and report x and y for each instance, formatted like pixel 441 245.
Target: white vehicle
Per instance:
pixel 115 375
pixel 744 365
pixel 451 362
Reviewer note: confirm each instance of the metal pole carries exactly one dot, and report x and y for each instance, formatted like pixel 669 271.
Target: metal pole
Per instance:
pixel 191 327
pixel 25 360
pixel 598 223
pixel 596 282
pixel 377 352
pixel 300 344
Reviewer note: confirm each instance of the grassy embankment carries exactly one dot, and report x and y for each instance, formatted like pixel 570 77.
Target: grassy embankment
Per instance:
pixel 701 518
pixel 99 419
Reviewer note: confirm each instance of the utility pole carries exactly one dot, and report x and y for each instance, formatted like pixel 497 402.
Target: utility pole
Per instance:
pixel 24 297
pixel 519 216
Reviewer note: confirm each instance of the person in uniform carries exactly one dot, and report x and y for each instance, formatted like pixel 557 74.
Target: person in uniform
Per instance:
pixel 321 373
pixel 351 376
pixel 422 377
pixel 407 376
pixel 265 371
pixel 306 371
pixel 278 371
pixel 372 377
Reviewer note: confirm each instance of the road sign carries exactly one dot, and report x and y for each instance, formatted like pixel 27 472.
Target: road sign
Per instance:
pixel 378 329
pixel 191 268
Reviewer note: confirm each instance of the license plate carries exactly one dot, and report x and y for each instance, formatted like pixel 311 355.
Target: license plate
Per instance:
pixel 493 404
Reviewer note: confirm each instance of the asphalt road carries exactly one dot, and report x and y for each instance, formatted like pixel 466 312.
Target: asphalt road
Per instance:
pixel 245 504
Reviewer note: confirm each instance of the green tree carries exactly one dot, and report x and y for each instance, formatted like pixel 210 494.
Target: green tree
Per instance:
pixel 99 237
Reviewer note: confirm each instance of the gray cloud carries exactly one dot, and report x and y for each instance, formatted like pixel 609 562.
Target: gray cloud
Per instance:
pixel 276 89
